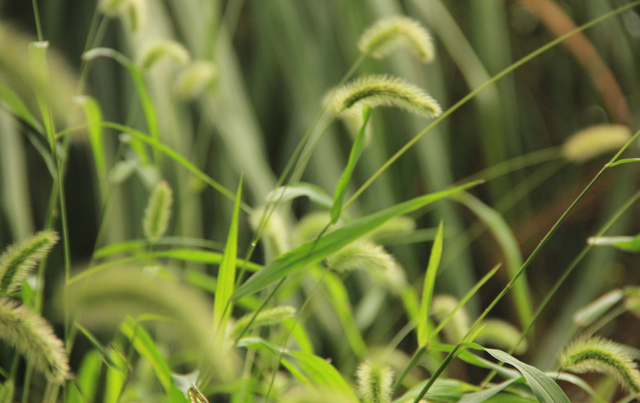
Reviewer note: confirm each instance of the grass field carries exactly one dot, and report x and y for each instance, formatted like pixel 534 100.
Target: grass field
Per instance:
pixel 319 201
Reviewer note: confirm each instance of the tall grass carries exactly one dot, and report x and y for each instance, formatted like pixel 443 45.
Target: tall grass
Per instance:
pixel 227 235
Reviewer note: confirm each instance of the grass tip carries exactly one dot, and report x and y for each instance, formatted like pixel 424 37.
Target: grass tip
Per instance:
pixel 385 35
pixel 381 90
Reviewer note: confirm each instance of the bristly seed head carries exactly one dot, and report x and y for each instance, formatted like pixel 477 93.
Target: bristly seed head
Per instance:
pixel 158 212
pixel 385 35
pixel 374 382
pixel 381 90
pixel 170 49
pixel 361 255
pixel 17 261
pixel 33 337
pixel 603 356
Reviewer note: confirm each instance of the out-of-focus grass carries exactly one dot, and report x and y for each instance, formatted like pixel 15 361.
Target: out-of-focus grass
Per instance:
pixel 276 60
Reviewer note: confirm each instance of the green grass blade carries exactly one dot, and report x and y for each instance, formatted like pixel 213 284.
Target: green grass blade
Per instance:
pixel 482 396
pixel 13 101
pixel 427 290
pixel 189 255
pixel 354 156
pixel 509 245
pixel 316 250
pixel 37 53
pixel 227 274
pixel 93 115
pixel 146 347
pixel 339 298
pixel 87 380
pixel 545 389
pixel 321 372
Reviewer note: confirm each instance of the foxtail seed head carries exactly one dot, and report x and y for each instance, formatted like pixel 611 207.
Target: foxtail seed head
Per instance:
pixel 33 337
pixel 459 325
pixel 171 49
pixel 594 141
pixel 603 356
pixel 380 90
pixel 381 38
pixel 196 78
pixel 158 212
pixel 361 254
pixel 17 261
pixel 374 382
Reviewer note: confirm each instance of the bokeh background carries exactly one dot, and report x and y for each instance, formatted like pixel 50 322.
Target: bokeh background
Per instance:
pixel 276 60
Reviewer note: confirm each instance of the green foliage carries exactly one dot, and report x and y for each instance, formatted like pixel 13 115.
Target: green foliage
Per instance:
pixel 279 292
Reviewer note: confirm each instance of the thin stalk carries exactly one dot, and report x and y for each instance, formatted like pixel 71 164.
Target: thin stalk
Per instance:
pixel 453 354
pixel 535 253
pixel 567 273
pixel 475 92
pixel 414 361
pixel 284 345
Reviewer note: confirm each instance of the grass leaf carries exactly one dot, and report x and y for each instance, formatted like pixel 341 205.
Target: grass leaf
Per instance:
pixel 354 156
pixel 227 273
pixel 427 289
pixel 543 387
pixel 316 250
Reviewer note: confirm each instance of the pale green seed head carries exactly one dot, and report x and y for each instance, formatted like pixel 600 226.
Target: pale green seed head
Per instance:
pixel 33 337
pixel 17 261
pixel 374 382
pixel 502 335
pixel 153 53
pixel 602 356
pixel 385 35
pixel 458 326
pixel 361 255
pixel 381 90
pixel 158 212
pixel 594 141
pixel 196 78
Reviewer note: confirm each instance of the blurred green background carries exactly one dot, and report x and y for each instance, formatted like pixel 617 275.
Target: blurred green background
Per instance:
pixel 277 59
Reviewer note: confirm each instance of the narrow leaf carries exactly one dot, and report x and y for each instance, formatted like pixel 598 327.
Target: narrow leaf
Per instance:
pixel 354 156
pixel 286 193
pixel 93 114
pixel 316 250
pixel 13 101
pixel 427 289
pixel 227 273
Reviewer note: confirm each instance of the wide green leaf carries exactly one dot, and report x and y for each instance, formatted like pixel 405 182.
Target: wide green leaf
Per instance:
pixel 542 386
pixel 316 250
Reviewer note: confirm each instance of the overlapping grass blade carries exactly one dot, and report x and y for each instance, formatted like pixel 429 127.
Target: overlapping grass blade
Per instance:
pixel 314 251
